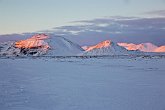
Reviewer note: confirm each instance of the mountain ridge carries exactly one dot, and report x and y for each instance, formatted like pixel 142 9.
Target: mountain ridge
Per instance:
pixel 144 47
pixel 107 47
pixel 51 45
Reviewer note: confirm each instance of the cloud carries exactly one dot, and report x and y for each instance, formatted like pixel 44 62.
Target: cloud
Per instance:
pixel 117 28
pixel 156 13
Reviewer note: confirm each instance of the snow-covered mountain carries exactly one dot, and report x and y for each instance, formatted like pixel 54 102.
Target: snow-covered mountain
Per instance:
pixel 160 49
pixel 144 47
pixel 51 45
pixel 107 48
pixel 41 44
pixel 100 45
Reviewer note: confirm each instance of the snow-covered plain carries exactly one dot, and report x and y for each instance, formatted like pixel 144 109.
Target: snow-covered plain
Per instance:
pixel 101 83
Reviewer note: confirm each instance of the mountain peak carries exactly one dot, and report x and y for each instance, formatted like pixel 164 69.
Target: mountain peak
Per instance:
pixel 103 44
pixel 40 36
pixel 33 42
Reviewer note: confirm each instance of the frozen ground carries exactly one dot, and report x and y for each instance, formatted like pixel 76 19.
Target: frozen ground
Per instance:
pixel 82 84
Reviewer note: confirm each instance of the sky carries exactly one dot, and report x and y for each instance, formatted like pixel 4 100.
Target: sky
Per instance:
pixel 18 16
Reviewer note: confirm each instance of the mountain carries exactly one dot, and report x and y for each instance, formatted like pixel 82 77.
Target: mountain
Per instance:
pixel 103 44
pixel 41 44
pixel 107 48
pixel 51 45
pixel 160 49
pixel 144 47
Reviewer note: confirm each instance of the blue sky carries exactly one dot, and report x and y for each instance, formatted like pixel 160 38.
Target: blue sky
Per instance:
pixel 17 16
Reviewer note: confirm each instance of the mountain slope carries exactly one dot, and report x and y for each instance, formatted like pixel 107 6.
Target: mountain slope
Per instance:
pixel 8 49
pixel 62 46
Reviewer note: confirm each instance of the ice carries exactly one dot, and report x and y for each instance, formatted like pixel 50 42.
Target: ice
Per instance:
pixel 83 83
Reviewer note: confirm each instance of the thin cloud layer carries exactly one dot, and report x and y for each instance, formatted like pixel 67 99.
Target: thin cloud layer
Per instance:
pixel 119 29
pixel 156 13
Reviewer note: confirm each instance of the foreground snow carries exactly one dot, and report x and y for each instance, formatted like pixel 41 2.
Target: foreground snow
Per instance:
pixel 103 83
